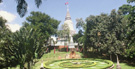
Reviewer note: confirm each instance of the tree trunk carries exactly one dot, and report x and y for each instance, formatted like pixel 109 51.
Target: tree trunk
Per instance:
pixel 21 67
pixel 118 64
pixel 111 57
pixel 29 66
pixel 5 55
pixel 84 50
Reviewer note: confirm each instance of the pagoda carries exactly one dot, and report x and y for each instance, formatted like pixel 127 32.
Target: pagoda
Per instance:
pixel 63 43
pixel 69 22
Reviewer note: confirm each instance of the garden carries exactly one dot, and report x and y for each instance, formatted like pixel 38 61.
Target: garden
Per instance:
pixel 103 41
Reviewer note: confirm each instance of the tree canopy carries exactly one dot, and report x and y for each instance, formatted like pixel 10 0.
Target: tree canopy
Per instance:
pixel 43 22
pixel 129 13
pixel 27 44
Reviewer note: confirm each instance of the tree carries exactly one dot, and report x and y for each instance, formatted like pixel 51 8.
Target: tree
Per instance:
pixel 43 22
pixel 2 22
pixel 106 33
pixel 64 33
pixel 24 45
pixel 4 31
pixel 80 24
pixel 129 13
pixel 79 37
pixel 95 31
pixel 22 6
pixel 28 43
pixel 2 26
pixel 66 30
pixel 45 25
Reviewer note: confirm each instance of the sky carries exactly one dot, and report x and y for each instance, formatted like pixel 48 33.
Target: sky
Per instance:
pixel 57 10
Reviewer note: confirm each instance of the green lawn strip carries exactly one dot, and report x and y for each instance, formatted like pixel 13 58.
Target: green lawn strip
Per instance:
pixel 124 66
pixel 51 56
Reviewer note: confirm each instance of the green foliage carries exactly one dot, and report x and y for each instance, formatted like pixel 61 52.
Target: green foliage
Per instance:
pixel 22 6
pixel 130 1
pixel 129 13
pixel 80 23
pixel 2 22
pixel 66 30
pixel 5 58
pixel 43 22
pixel 125 9
pixel 64 33
pixel 106 33
pixel 23 45
pixel 28 43
pixel 78 37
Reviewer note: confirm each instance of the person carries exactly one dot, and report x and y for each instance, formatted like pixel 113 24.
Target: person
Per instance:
pixel 42 65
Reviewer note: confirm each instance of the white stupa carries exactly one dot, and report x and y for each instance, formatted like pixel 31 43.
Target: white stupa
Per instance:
pixel 61 41
pixel 69 22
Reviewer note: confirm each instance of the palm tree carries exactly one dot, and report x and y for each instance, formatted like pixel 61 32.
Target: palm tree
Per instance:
pixel 26 45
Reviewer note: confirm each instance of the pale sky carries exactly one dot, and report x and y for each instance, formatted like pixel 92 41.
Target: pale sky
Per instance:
pixel 57 9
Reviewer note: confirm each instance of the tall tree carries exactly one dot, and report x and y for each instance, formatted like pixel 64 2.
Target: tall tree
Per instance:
pixel 80 25
pixel 106 33
pixel 3 51
pixel 129 13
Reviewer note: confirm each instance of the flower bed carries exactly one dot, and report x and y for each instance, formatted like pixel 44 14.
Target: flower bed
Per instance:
pixel 78 63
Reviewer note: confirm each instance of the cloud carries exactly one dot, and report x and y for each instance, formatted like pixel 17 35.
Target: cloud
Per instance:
pixel 1 3
pixel 14 27
pixel 8 16
pixel 10 19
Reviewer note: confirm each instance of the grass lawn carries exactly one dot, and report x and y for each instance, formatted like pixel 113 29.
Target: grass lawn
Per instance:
pixel 61 55
pixel 124 66
pixel 52 56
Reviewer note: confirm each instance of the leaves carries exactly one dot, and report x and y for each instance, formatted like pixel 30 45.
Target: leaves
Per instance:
pixel 106 32
pixel 21 7
pixel 80 23
pixel 0 1
pixel 129 12
pixel 130 1
pixel 38 2
pixel 42 22
pixel 2 22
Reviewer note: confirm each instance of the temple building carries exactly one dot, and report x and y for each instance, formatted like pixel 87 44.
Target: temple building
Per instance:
pixel 62 42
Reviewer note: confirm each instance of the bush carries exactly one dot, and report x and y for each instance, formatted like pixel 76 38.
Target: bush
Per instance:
pixel 64 49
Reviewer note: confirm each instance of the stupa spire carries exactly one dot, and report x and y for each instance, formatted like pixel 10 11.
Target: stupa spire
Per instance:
pixel 68 17
pixel 69 22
